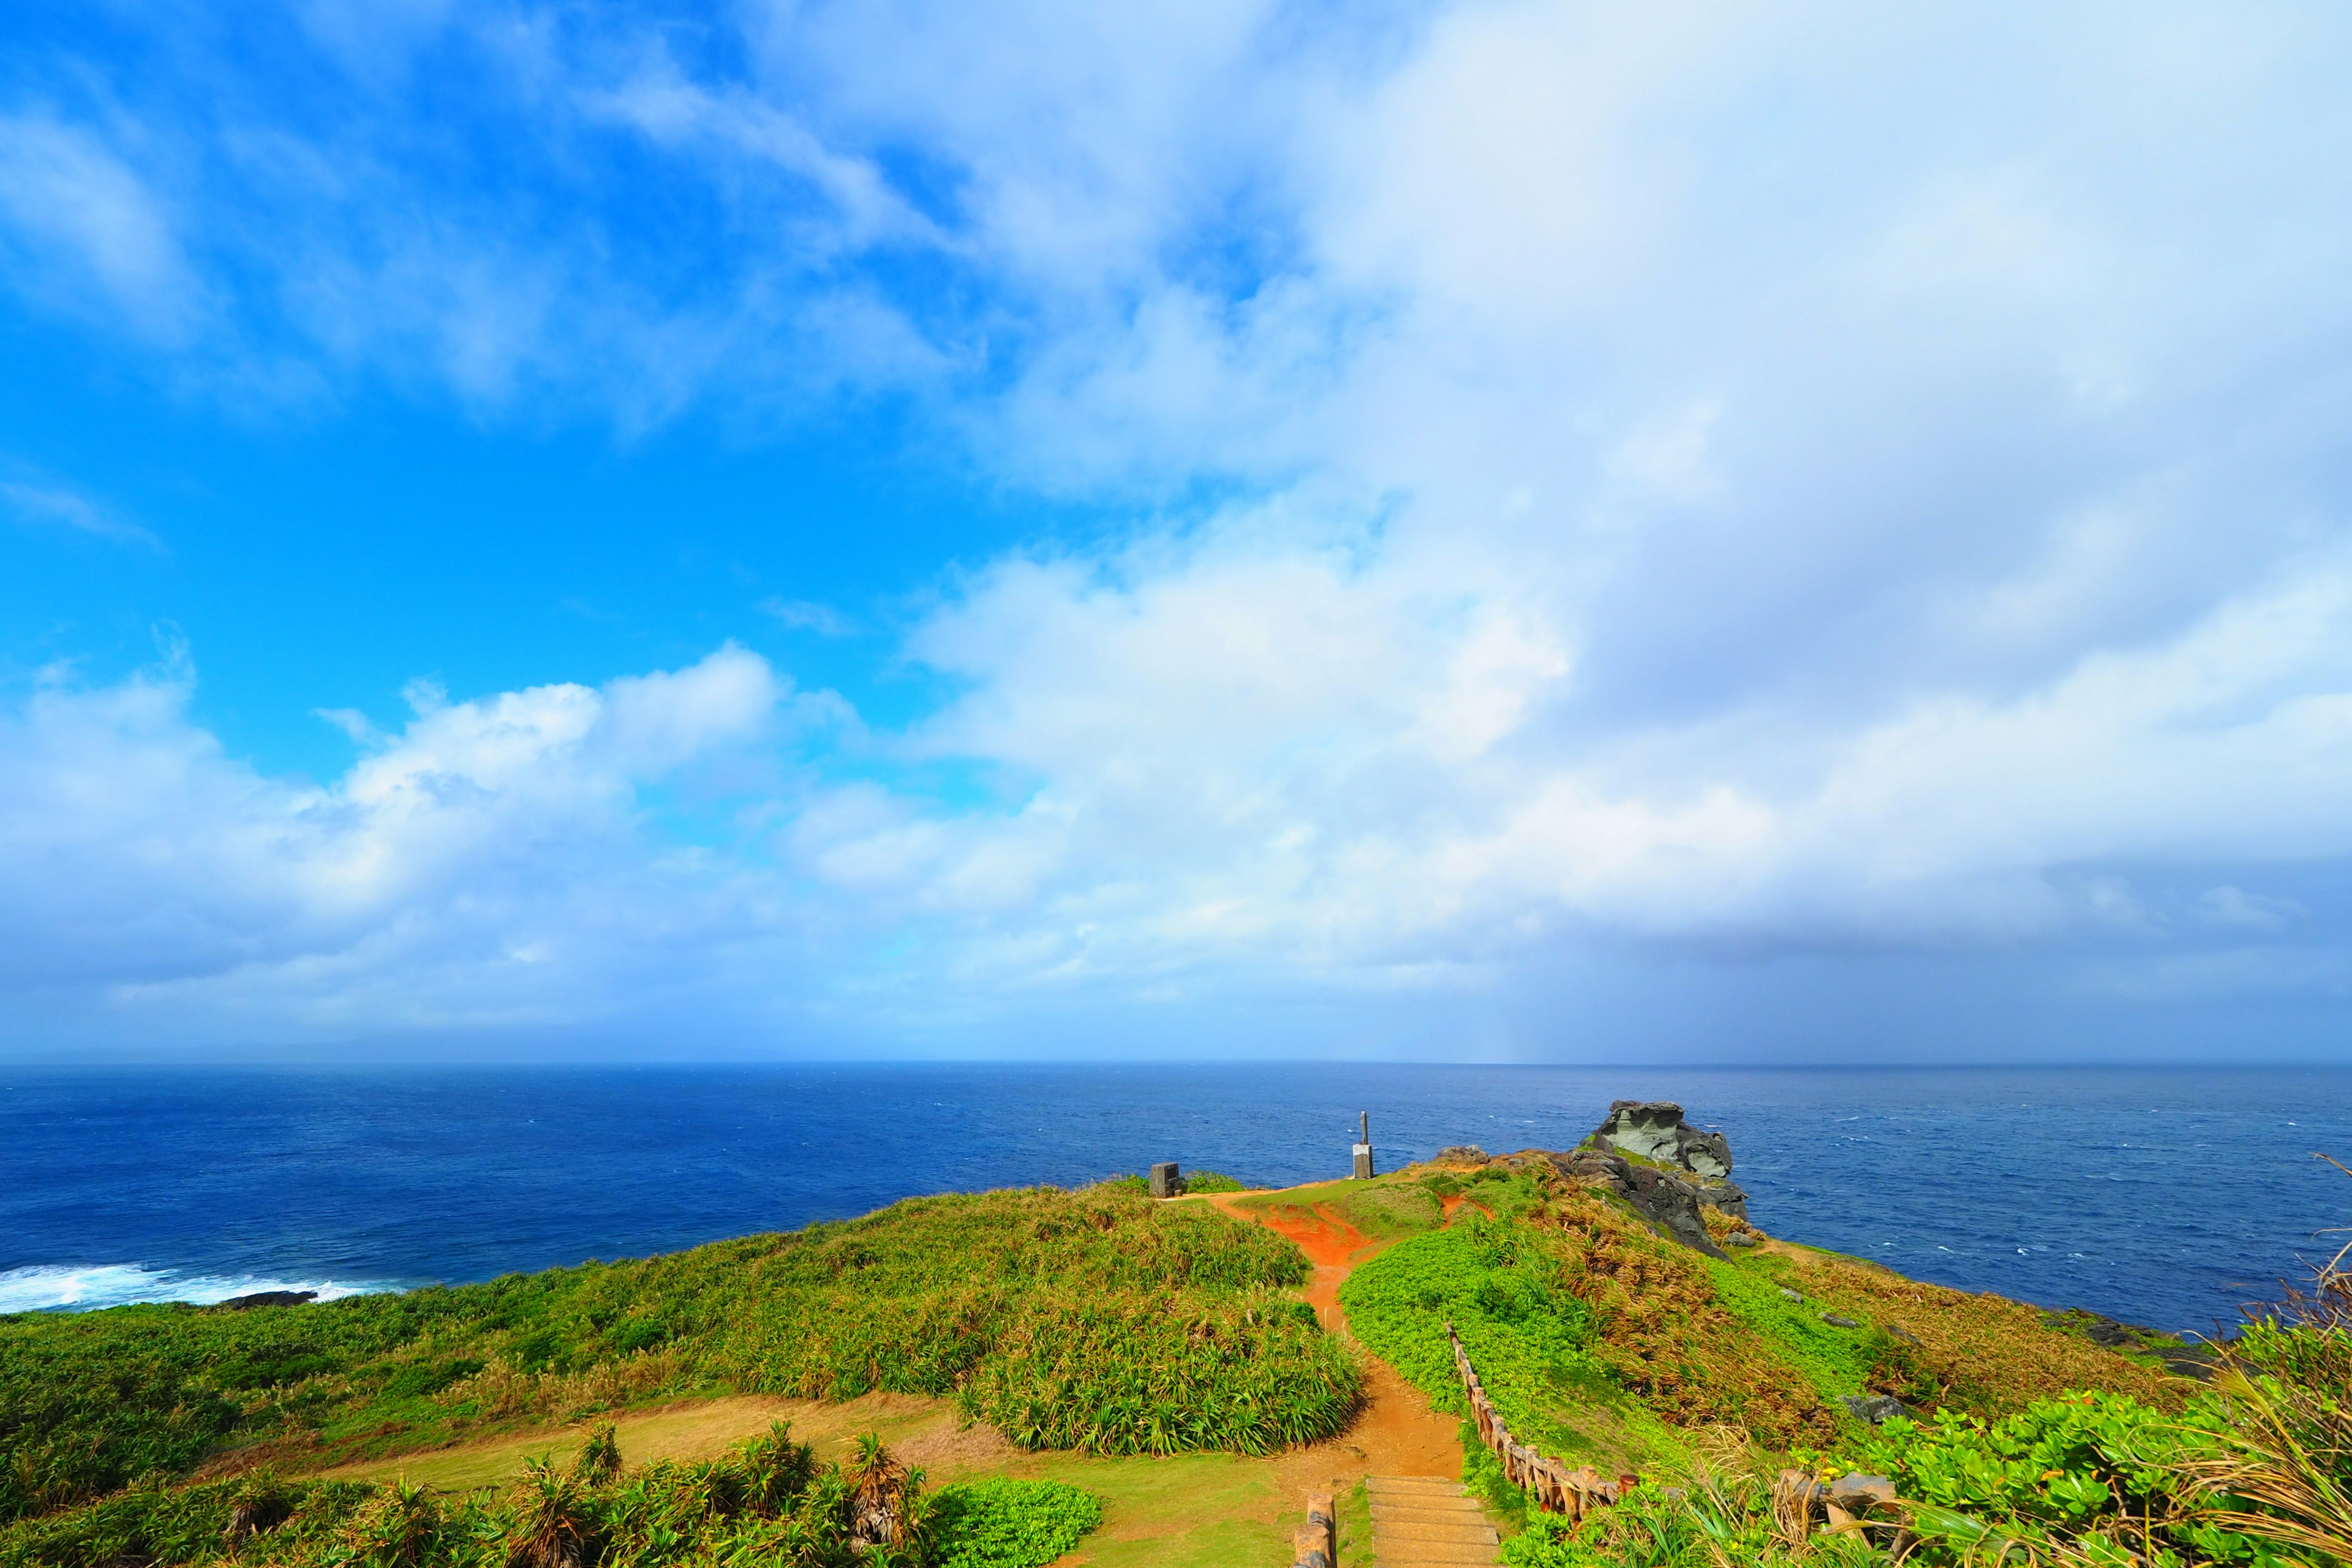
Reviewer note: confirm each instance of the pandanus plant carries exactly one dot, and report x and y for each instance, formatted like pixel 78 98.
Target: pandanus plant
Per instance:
pixel 552 1525
pixel 889 1519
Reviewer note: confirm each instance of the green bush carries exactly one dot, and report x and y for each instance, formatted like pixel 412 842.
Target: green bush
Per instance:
pixel 2091 1473
pixel 1249 1374
pixel 1005 1523
pixel 1214 1181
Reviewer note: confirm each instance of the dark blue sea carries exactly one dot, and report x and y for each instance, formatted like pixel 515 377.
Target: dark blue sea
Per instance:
pixel 2165 1197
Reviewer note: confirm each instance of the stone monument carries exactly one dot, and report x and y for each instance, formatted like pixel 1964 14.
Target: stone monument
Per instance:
pixel 1165 1181
pixel 1364 1150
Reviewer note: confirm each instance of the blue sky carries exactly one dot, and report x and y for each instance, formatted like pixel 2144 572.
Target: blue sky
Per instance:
pixel 1501 531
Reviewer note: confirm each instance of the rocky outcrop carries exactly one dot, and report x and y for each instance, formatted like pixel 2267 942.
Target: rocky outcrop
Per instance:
pixel 2180 1357
pixel 270 1299
pixel 1654 1129
pixel 1663 1168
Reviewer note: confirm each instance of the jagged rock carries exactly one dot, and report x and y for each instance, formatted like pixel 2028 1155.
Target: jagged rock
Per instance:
pixel 1835 1322
pixel 270 1299
pixel 1663 1168
pixel 1875 1408
pixel 1740 1238
pixel 1655 1130
pixel 1459 1154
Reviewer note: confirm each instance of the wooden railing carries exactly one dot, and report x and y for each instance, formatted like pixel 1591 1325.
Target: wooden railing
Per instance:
pixel 1552 1485
pixel 1316 1544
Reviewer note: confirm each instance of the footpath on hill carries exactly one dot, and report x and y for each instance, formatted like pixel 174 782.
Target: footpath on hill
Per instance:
pixel 1397 1434
pixel 1192 1510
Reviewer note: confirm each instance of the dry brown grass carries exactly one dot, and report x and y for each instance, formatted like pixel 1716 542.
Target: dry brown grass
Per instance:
pixel 1985 1354
pixel 1668 1340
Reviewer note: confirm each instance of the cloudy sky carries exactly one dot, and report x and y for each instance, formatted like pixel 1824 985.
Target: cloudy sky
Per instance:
pixel 1504 530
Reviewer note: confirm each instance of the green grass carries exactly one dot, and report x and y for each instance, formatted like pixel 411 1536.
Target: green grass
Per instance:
pixel 1384 1209
pixel 1833 1361
pixel 1194 1343
pixel 1529 1340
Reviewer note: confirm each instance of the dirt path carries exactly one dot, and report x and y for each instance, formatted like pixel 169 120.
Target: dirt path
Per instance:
pixel 1397 1434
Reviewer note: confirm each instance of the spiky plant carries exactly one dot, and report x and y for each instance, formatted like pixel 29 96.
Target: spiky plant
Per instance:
pixel 395 1528
pixel 552 1525
pixel 260 1503
pixel 600 1457
pixel 776 1470
pixel 878 1486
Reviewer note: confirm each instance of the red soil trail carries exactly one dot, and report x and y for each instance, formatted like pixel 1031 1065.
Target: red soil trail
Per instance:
pixel 1396 1433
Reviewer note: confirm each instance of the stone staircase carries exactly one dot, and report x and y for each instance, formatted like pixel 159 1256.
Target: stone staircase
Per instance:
pixel 1421 1521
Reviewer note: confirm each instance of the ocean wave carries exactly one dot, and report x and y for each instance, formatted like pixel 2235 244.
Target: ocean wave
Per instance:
pixel 81 1287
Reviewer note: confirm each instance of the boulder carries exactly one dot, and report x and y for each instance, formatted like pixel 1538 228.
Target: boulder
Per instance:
pixel 1459 1154
pixel 1875 1408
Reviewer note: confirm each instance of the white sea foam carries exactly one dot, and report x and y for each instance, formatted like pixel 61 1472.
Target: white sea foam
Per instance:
pixel 83 1287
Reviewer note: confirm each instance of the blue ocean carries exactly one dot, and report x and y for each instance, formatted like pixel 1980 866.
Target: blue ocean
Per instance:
pixel 2163 1197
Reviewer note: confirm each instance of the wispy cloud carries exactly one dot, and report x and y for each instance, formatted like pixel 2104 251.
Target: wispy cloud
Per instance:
pixel 88 229
pixel 40 506
pixel 808 615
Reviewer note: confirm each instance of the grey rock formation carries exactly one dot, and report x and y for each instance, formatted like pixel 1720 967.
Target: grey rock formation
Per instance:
pixel 1655 1130
pixel 1875 1408
pixel 1459 1154
pixel 1666 1169
pixel 1668 1200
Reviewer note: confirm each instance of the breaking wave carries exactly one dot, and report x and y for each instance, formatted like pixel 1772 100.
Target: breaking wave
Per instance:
pixel 85 1287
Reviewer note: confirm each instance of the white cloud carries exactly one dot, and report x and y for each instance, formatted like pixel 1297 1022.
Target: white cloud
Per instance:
pixel 496 859
pixel 1710 483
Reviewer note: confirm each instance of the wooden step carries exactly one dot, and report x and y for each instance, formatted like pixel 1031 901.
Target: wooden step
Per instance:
pixel 1427 1522
pixel 1427 1506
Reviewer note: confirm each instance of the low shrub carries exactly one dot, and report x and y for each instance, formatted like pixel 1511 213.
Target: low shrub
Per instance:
pixel 1001 1523
pixel 1110 1376
pixel 767 1502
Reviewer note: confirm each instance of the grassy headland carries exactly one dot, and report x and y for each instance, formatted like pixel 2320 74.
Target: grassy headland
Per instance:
pixel 1092 1319
pixel 1094 1323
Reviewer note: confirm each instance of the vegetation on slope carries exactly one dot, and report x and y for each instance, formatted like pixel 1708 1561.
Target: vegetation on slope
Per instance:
pixel 1598 1339
pixel 767 1502
pixel 2033 1445
pixel 1093 1319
